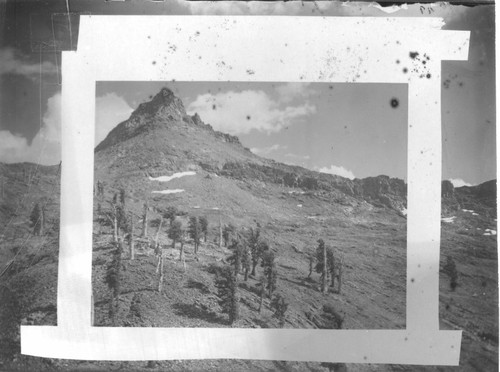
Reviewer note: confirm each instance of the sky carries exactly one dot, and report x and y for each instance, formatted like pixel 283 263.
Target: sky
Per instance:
pixel 347 129
pixel 318 126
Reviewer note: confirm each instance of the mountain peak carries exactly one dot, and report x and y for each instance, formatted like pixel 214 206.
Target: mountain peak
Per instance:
pixel 165 104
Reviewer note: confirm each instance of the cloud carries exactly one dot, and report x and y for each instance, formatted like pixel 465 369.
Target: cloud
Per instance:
pixel 267 150
pixel 46 146
pixel 10 63
pixel 111 110
pixel 458 182
pixel 240 112
pixel 339 171
pixel 12 147
pixel 291 91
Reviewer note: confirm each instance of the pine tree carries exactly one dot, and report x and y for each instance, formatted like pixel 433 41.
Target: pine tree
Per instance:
pixel 257 247
pixel 37 219
pixel 194 232
pixel 450 268
pixel 322 263
pixel 145 220
pixel 310 258
pixel 131 240
pixel 175 232
pixel 235 258
pixel 246 259
pixel 170 214
pixel 227 232
pixel 227 292
pixel 331 266
pixel 122 196
pixel 262 292
pixel 270 272
pixel 113 279
pixel 280 306
pixel 204 227
pixel 340 269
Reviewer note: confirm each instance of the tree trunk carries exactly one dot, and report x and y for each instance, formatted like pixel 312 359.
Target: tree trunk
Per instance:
pixel 340 275
pixel 145 221
pixel 261 299
pixel 42 220
pixel 131 239
pixel 115 227
pixel 246 273
pixel 310 266
pixel 158 232
pixel 220 233
pixel 160 281
pixel 173 243
pixel 325 271
pixel 181 254
pixel 254 264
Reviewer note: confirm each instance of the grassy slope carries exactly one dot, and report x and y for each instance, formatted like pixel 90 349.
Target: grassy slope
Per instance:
pixel 372 240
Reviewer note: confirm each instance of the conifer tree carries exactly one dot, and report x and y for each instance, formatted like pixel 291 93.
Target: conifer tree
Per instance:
pixel 310 258
pixel 257 247
pixel 145 220
pixel 175 232
pixel 204 227
pixel 246 259
pixel 113 279
pixel 270 272
pixel 227 233
pixel 280 306
pixel 170 214
pixel 195 232
pixel 131 240
pixel 331 266
pixel 37 219
pixel 322 264
pixel 235 258
pixel 450 269
pixel 262 292
pixel 227 292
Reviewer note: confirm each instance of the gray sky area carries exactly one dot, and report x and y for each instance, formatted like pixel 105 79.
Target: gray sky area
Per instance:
pixel 347 129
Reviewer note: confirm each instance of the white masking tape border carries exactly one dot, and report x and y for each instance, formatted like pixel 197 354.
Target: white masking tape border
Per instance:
pixel 266 49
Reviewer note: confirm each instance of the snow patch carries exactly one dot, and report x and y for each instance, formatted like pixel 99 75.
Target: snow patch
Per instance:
pixel 175 191
pixel 468 210
pixel 170 178
pixel 490 232
pixel 404 211
pixel 299 205
pixel 475 214
pixel 215 208
pixel 448 219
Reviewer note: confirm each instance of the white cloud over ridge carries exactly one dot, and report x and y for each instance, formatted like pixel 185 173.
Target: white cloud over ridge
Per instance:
pixel 337 170
pixel 458 182
pixel 240 112
pixel 46 145
pixel 290 91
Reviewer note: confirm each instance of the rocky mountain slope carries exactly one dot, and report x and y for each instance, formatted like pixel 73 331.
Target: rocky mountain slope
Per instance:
pixel 164 157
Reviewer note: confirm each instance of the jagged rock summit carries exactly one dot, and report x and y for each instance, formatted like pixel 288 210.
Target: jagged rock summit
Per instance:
pixel 160 138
